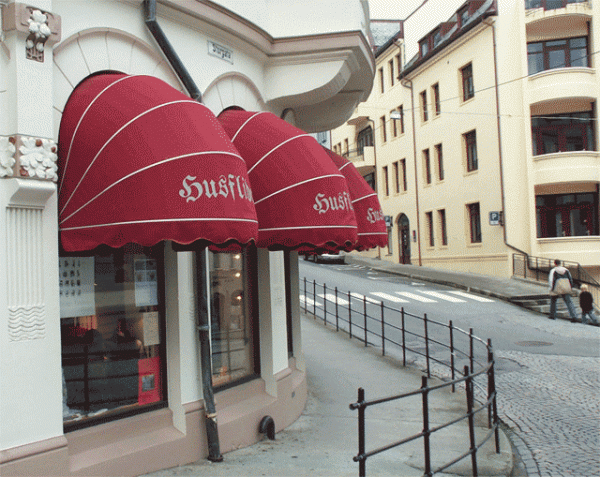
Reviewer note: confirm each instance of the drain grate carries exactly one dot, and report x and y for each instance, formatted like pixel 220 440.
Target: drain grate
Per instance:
pixel 533 343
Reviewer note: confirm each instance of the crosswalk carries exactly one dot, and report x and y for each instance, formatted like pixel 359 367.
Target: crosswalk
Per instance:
pixel 423 296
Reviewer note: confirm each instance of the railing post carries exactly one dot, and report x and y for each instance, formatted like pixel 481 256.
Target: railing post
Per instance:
pixel 362 465
pixel 365 319
pixel 490 360
pixel 426 433
pixel 337 316
pixel 426 345
pixel 350 315
pixel 403 339
pixel 305 300
pixel 473 447
pixel 382 331
pixel 494 400
pixel 451 326
pixel 315 299
pixel 471 357
pixel 325 304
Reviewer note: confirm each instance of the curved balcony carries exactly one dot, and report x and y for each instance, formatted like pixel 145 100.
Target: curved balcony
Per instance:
pixel 563 167
pixel 558 83
pixel 583 250
pixel 363 160
pixel 549 13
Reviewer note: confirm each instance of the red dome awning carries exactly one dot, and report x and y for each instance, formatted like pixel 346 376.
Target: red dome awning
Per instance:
pixel 302 200
pixel 141 162
pixel 372 230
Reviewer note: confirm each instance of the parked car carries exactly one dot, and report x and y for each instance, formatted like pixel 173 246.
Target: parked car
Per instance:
pixel 326 258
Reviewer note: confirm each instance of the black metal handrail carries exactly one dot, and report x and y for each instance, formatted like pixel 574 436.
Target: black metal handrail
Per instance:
pixel 336 309
pixel 538 269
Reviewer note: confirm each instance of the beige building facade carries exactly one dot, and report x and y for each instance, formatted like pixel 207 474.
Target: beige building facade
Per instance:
pixel 484 144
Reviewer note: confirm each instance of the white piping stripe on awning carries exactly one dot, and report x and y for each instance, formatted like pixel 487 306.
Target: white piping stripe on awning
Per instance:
pixel 124 178
pixel 155 221
pixel 364 197
pixel 296 185
pixel 275 148
pixel 246 122
pixel 121 129
pixel 308 227
pixel 373 233
pixel 347 164
pixel 63 172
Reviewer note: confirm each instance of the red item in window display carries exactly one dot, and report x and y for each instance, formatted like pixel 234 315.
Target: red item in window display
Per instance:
pixel 302 200
pixel 141 162
pixel 149 389
pixel 372 229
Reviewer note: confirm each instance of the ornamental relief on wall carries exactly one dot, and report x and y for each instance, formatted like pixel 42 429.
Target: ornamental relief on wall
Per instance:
pixel 28 157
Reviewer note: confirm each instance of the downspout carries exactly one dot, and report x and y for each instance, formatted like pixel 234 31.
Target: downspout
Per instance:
pixel 500 151
pixel 212 432
pixel 405 83
pixel 376 172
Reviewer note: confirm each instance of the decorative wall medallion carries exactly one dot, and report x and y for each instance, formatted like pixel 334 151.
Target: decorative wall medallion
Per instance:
pixel 37 158
pixel 39 32
pixel 7 156
pixel 41 27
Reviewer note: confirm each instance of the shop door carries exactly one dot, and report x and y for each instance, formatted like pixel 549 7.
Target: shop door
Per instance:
pixel 404 239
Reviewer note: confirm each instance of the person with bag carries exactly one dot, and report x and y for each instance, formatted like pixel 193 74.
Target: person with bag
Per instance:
pixel 586 302
pixel 561 285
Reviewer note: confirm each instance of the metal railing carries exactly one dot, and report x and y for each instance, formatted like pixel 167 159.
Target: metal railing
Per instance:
pixel 550 4
pixel 377 324
pixel 538 269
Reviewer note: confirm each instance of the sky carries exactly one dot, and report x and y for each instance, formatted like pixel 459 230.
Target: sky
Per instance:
pixel 392 9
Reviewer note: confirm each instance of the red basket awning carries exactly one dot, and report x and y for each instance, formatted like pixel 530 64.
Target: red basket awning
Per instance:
pixel 141 162
pixel 302 200
pixel 372 230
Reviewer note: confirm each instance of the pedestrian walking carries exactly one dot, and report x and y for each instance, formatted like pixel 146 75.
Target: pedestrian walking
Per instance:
pixel 586 302
pixel 561 285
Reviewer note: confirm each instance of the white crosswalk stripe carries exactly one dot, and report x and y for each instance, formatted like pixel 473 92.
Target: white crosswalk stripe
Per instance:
pixel 473 297
pixel 388 297
pixel 444 297
pixel 416 297
pixel 358 296
pixel 331 297
pixel 308 301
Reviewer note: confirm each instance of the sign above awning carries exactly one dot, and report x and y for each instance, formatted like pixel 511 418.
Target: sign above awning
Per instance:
pixel 302 200
pixel 372 229
pixel 141 162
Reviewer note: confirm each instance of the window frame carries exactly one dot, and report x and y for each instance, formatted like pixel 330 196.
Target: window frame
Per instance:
pixel 430 228
pixel 439 157
pixel 427 176
pixel 470 145
pixel 547 49
pixel 386 181
pixel 401 111
pixel 435 91
pixel 443 226
pixel 381 80
pixel 383 128
pixel 391 69
pixel 474 216
pixel 396 170
pixel 424 111
pixel 403 170
pixel 467 82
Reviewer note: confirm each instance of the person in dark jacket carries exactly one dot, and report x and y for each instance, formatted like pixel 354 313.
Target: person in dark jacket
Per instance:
pixel 586 302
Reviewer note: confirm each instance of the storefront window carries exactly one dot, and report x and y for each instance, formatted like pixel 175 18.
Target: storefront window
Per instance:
pixel 232 327
pixel 112 326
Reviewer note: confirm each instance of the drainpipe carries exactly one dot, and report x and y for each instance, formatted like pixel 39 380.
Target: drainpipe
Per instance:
pixel 500 151
pixel 408 84
pixel 212 432
pixel 376 172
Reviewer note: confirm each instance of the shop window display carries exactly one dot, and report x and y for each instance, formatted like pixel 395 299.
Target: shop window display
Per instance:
pixel 232 326
pixel 112 333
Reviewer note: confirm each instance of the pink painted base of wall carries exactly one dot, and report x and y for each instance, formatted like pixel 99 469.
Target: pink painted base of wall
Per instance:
pixel 149 442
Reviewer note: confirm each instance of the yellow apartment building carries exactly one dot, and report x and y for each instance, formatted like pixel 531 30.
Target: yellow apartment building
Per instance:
pixel 483 145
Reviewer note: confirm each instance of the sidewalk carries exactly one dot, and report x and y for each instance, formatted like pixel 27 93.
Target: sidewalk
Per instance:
pixel 324 439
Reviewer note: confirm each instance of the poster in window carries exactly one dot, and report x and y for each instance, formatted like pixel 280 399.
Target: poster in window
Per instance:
pixel 150 329
pixel 76 286
pixel 146 282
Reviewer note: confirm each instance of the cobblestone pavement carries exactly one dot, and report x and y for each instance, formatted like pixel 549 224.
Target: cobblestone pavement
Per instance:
pixel 553 405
